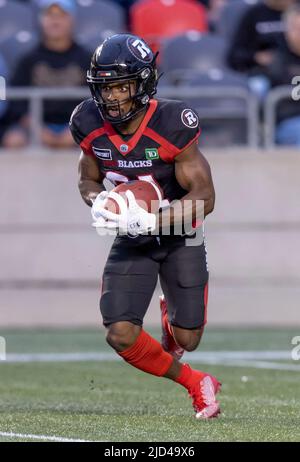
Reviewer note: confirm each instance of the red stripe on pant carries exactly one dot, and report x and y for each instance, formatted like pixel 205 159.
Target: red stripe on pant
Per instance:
pixel 205 302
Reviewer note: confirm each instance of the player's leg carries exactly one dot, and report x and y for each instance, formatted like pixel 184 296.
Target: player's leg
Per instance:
pixel 177 340
pixel 184 280
pixel 125 333
pixel 167 340
pixel 129 280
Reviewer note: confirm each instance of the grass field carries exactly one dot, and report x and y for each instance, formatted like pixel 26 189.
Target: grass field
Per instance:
pixel 81 397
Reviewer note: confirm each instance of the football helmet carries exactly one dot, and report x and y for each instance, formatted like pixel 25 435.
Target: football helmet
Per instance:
pixel 123 58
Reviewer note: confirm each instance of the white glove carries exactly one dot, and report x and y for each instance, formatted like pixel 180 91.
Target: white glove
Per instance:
pixel 98 205
pixel 133 220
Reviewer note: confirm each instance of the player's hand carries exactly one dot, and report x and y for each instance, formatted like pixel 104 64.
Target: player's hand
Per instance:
pixel 98 205
pixel 133 220
pixel 139 221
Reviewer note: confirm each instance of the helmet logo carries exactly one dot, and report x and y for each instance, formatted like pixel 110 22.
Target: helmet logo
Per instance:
pixel 189 118
pixel 139 49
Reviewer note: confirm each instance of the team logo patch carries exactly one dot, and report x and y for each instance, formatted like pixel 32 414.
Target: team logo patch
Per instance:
pixel 123 148
pixel 189 118
pixel 151 153
pixel 103 154
pixel 139 49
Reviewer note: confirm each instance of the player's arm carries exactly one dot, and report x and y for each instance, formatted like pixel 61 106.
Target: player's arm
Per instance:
pixel 194 175
pixel 90 181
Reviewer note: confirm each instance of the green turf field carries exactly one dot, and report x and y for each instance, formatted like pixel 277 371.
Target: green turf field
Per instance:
pixel 107 400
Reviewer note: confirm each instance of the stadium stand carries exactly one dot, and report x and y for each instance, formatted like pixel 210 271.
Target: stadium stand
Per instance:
pixel 3 104
pixel 14 18
pixel 287 57
pixel 96 20
pixel 15 47
pixel 228 111
pixel 192 53
pixel 227 116
pixel 56 61
pixel 230 17
pixel 257 35
pixel 191 56
pixel 156 20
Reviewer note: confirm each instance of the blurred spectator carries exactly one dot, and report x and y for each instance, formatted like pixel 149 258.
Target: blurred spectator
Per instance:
pixel 3 104
pixel 257 37
pixel 126 5
pixel 15 17
pixel 57 62
pixel 215 8
pixel 286 66
pixel 3 73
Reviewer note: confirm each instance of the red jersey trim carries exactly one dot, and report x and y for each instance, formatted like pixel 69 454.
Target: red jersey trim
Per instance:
pixel 192 141
pixel 167 150
pixel 167 147
pixel 86 142
pixel 117 139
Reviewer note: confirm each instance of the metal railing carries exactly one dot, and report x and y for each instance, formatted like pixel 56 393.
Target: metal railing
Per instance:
pixel 36 97
pixel 270 110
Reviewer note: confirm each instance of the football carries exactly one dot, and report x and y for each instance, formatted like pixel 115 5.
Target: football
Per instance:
pixel 147 194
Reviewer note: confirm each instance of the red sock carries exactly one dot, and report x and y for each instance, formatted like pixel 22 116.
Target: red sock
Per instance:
pixel 188 376
pixel 148 355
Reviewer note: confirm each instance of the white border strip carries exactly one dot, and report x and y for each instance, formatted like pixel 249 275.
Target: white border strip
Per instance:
pixel 267 355
pixel 60 357
pixel 253 359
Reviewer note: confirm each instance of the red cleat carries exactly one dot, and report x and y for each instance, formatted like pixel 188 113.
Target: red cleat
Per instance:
pixel 167 339
pixel 203 392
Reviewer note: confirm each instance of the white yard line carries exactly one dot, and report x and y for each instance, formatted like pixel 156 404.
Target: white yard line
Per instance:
pixel 60 357
pixel 253 359
pixel 246 354
pixel 43 437
pixel 249 363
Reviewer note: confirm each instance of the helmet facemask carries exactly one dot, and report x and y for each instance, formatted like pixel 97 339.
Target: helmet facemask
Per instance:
pixel 145 88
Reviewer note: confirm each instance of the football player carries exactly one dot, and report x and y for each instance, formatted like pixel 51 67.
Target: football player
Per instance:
pixel 125 134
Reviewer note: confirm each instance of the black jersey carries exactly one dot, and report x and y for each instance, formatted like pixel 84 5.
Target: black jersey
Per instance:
pixel 167 129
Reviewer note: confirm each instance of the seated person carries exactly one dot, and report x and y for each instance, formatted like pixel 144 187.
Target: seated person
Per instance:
pixel 3 103
pixel 284 68
pixel 257 37
pixel 56 62
pixel 214 11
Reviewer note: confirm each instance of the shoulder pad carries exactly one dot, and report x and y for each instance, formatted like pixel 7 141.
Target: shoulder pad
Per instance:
pixel 177 123
pixel 84 119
